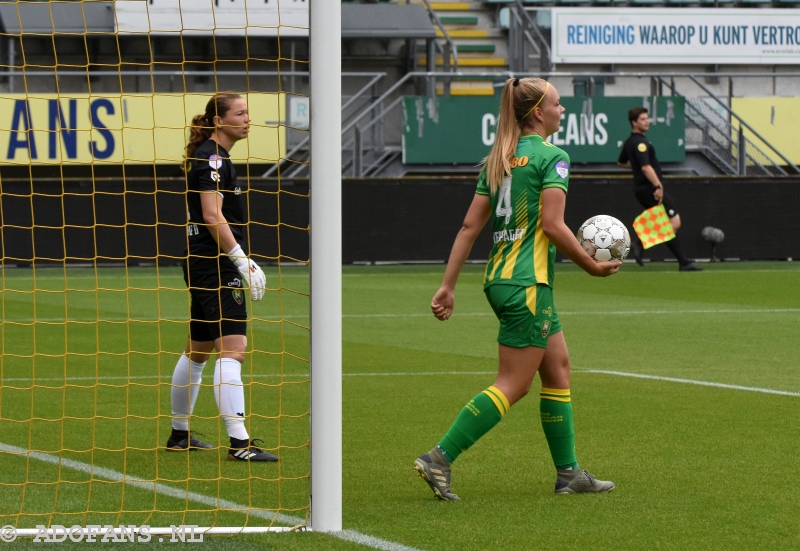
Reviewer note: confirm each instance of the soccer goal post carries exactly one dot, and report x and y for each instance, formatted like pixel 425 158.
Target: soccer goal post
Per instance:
pixel 326 263
pixel 96 111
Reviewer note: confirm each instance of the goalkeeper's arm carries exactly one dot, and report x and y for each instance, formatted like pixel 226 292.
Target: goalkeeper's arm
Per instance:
pixel 215 221
pixel 222 234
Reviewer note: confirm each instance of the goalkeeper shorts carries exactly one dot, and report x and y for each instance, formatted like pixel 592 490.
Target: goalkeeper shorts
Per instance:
pixel 218 304
pixel 527 314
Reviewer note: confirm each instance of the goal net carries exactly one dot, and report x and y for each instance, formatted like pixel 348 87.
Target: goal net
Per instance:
pixel 96 102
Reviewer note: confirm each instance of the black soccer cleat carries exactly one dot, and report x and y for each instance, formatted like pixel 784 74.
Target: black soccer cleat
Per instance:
pixel 186 443
pixel 690 268
pixel 250 452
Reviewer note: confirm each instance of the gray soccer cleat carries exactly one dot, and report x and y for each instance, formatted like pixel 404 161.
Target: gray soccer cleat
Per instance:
pixel 580 482
pixel 434 469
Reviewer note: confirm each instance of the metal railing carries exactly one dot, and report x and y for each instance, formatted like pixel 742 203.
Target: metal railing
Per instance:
pixel 719 134
pixel 525 40
pixel 449 49
pixel 719 138
pixel 358 105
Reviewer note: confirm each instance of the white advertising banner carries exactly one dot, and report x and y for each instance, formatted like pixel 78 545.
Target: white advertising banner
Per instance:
pixel 219 17
pixel 670 36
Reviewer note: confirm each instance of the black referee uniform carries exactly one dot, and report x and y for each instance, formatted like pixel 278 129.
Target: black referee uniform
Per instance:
pixel 639 152
pixel 218 305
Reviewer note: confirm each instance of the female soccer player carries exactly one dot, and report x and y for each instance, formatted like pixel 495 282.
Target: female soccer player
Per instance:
pixel 215 281
pixel 523 188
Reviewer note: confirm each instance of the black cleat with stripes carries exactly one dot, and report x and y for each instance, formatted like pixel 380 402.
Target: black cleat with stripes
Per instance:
pixel 249 452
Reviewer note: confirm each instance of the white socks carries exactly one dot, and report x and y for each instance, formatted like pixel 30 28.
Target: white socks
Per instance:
pixel 229 392
pixel 185 386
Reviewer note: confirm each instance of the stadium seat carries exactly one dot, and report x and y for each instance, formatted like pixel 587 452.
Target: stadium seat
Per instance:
pixel 504 18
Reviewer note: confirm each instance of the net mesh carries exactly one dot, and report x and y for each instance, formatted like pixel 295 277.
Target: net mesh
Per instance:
pixel 96 101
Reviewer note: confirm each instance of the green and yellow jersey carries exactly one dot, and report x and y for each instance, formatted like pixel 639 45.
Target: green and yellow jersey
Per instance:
pixel 522 254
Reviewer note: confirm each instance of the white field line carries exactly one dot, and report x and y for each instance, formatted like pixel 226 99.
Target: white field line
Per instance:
pixel 159 488
pixel 427 373
pixel 428 314
pixel 691 382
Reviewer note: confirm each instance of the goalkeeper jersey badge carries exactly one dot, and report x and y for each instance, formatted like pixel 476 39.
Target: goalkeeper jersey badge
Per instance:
pixel 238 296
pixel 545 328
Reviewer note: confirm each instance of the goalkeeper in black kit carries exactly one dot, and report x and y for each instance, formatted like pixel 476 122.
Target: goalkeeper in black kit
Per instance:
pixel 218 272
pixel 639 155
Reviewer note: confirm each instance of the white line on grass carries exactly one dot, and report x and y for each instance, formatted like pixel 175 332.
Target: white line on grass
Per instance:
pixel 422 373
pixel 690 382
pixel 428 314
pixel 159 488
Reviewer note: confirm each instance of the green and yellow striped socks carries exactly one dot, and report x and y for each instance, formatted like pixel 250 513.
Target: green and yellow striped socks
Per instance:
pixel 477 418
pixel 555 408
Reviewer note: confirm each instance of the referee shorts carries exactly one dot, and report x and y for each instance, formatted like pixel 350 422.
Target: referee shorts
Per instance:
pixel 527 314
pixel 218 305
pixel 644 194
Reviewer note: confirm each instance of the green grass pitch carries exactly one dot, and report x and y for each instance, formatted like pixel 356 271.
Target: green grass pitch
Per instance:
pixel 697 466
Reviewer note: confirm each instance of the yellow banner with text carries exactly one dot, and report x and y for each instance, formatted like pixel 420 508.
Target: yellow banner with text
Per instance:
pixel 130 128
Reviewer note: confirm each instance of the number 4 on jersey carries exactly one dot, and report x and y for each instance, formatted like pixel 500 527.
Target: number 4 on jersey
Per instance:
pixel 504 200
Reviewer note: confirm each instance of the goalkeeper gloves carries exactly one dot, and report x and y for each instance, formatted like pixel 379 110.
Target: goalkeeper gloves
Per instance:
pixel 249 271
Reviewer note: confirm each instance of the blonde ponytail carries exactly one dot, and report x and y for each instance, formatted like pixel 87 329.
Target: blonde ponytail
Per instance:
pixel 520 97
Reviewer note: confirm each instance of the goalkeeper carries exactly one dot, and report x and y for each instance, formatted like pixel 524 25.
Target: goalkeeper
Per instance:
pixel 216 281
pixel 523 190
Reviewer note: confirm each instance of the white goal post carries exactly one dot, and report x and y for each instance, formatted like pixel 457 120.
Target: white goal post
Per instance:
pixel 325 46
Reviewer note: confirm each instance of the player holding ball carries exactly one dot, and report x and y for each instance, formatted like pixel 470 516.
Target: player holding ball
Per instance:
pixel 523 189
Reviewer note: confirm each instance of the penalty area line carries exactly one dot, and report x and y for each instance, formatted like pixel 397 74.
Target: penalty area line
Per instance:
pixel 159 488
pixel 689 382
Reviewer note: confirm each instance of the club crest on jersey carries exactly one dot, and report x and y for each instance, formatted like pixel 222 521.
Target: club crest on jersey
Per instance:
pixel 215 161
pixel 562 168
pixel 641 147
pixel 545 328
pixel 238 296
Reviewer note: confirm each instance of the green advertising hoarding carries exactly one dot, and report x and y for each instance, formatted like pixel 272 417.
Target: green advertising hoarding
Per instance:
pixel 461 129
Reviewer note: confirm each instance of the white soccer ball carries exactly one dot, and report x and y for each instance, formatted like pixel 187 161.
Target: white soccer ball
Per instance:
pixel 605 238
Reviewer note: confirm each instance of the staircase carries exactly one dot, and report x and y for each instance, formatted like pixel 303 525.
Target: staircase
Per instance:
pixel 480 45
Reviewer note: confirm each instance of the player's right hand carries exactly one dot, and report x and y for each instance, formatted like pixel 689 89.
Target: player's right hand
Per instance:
pixel 442 303
pixel 605 269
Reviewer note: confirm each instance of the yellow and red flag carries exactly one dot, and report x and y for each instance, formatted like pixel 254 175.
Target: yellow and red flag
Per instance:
pixel 653 227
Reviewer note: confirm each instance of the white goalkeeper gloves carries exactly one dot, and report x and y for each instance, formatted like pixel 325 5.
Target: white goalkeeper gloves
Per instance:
pixel 250 272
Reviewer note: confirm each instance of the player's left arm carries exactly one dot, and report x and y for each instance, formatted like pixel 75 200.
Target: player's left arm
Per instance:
pixel 554 202
pixel 476 218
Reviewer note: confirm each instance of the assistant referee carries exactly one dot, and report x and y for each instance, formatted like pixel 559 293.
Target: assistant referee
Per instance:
pixel 639 155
